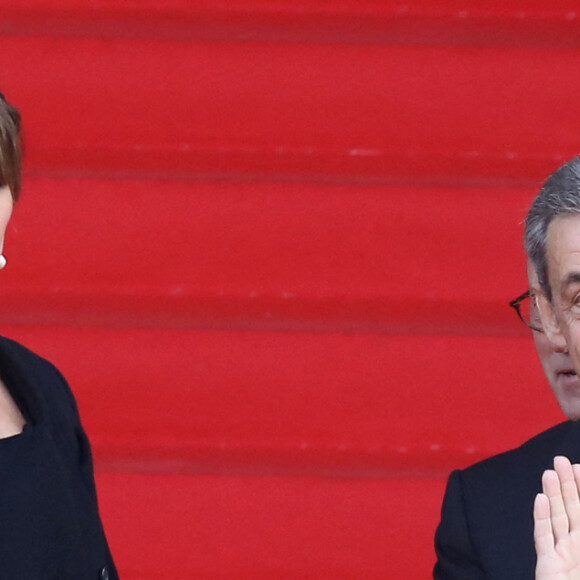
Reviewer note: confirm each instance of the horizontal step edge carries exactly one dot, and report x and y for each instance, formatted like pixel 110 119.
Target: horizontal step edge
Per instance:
pixel 394 24
pixel 284 313
pixel 477 168
pixel 338 463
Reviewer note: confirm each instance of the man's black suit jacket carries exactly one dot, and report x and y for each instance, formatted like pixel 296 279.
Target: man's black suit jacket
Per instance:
pixel 486 528
pixel 49 521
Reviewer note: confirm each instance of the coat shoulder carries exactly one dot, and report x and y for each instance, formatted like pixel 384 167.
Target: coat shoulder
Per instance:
pixel 37 383
pixel 28 364
pixel 531 457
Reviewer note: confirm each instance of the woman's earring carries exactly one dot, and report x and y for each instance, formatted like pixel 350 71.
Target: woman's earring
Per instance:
pixel 3 262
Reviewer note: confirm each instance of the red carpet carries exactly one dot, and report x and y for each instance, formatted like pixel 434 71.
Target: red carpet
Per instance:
pixel 271 246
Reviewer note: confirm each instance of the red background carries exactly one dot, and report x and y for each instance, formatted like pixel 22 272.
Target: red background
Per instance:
pixel 271 246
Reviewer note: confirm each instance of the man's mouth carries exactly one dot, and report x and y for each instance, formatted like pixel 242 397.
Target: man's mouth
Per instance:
pixel 569 381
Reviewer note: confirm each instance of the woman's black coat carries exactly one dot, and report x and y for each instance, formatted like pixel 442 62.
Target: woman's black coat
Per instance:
pixel 49 521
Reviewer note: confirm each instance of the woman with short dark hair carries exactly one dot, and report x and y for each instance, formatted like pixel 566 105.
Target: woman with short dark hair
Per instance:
pixel 50 526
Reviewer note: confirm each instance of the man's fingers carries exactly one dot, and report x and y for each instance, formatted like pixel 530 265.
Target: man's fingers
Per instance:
pixel 543 536
pixel 576 471
pixel 558 517
pixel 569 491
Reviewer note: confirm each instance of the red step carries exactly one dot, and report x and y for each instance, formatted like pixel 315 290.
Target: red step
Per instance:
pixel 268 256
pixel 172 527
pixel 277 375
pixel 488 22
pixel 316 404
pixel 295 110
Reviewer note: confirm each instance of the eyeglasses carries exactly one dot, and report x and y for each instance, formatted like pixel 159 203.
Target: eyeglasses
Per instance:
pixel 525 306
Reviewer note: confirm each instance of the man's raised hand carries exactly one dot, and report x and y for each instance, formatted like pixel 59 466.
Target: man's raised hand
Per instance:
pixel 557 523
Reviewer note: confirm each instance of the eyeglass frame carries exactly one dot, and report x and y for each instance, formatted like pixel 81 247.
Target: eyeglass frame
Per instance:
pixel 516 305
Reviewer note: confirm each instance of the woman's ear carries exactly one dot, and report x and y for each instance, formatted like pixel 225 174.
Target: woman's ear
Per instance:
pixel 550 322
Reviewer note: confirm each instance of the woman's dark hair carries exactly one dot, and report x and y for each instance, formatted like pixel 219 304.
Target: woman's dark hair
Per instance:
pixel 10 147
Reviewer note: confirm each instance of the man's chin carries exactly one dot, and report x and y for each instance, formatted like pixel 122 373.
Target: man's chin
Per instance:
pixel 567 392
pixel 571 409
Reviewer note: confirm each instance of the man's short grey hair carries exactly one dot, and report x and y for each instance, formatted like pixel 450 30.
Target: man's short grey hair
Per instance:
pixel 559 196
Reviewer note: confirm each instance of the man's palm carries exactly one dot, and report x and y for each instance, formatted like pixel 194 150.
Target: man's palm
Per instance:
pixel 557 523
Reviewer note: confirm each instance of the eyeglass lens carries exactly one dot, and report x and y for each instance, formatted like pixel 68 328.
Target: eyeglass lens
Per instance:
pixel 530 313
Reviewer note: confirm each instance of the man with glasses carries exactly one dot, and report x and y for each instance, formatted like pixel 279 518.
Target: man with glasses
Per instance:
pixel 555 360
pixel 487 529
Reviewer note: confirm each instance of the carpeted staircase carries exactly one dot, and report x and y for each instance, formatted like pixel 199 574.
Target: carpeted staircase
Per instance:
pixel 271 246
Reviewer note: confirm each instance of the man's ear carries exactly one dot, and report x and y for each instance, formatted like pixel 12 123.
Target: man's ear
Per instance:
pixel 550 322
